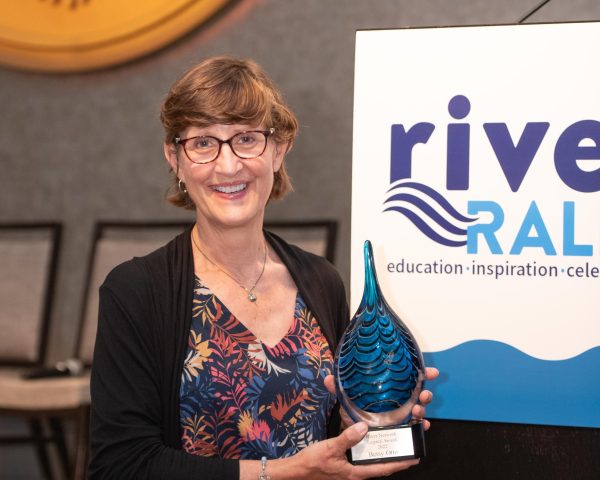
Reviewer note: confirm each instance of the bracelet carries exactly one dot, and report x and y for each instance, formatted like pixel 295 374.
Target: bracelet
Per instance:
pixel 263 470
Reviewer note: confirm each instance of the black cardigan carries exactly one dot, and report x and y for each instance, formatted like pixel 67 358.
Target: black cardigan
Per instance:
pixel 143 325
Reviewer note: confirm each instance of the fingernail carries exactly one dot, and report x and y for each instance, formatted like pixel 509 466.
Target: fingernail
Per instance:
pixel 361 428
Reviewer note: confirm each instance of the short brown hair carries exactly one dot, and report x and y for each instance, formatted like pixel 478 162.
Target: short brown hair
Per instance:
pixel 225 90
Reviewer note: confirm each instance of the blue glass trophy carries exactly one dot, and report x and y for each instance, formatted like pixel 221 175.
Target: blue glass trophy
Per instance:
pixel 379 374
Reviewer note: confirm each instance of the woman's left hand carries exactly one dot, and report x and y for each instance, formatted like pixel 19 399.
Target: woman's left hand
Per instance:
pixel 418 410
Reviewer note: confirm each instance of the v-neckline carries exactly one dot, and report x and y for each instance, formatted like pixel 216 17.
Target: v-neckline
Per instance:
pixel 199 284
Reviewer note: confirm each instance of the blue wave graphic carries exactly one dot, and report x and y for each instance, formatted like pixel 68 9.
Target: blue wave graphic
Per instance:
pixel 491 381
pixel 401 192
pixel 428 209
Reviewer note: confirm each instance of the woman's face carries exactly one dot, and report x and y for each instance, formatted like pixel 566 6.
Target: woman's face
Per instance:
pixel 230 191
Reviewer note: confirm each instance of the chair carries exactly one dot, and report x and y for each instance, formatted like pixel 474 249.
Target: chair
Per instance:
pixel 54 400
pixel 114 243
pixel 318 237
pixel 29 258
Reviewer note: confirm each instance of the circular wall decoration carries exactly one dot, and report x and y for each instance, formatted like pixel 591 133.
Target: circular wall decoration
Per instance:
pixel 79 35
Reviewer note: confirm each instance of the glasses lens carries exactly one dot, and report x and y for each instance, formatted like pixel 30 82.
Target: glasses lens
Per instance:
pixel 249 144
pixel 202 149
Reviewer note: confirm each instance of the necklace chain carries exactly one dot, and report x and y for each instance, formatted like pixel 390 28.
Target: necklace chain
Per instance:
pixel 249 291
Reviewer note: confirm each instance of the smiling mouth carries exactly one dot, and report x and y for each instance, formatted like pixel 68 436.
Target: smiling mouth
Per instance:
pixel 230 188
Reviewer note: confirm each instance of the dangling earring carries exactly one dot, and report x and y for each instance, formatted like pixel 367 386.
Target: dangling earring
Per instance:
pixel 181 187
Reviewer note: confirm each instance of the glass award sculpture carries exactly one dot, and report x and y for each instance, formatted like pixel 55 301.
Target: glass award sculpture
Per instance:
pixel 379 374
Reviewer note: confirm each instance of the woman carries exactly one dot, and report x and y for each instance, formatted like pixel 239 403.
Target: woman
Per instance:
pixel 214 353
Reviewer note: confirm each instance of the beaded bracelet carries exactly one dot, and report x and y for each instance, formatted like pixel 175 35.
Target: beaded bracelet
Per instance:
pixel 263 470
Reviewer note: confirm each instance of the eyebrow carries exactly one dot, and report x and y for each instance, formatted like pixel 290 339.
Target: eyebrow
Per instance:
pixel 204 133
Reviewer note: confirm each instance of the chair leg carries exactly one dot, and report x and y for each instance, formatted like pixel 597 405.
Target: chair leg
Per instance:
pixel 37 432
pixel 58 433
pixel 82 443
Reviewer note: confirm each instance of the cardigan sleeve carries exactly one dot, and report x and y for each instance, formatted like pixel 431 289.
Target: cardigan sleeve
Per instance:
pixel 127 439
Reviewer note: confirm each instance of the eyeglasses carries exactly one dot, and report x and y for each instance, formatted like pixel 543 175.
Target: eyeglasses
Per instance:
pixel 206 149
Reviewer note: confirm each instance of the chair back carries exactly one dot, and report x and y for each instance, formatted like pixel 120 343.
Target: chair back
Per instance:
pixel 29 260
pixel 318 237
pixel 114 243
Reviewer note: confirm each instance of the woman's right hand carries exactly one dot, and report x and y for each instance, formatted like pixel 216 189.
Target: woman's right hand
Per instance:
pixel 327 460
pixel 418 411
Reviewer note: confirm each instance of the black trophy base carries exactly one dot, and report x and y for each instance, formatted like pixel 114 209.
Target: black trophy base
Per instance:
pixel 390 444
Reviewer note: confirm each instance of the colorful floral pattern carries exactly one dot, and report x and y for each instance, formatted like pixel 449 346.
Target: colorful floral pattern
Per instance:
pixel 242 399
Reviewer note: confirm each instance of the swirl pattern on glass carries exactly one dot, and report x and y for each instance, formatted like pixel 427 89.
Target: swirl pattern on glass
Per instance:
pixel 379 366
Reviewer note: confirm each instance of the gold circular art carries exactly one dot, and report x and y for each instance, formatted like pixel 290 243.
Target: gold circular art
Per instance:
pixel 78 35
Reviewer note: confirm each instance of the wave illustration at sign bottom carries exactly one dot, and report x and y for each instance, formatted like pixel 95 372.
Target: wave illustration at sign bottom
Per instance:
pixel 486 380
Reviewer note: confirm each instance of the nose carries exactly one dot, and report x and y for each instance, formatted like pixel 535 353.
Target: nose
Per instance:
pixel 227 162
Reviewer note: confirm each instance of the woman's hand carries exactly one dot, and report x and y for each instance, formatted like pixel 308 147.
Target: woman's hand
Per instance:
pixel 418 410
pixel 326 460
pixel 425 398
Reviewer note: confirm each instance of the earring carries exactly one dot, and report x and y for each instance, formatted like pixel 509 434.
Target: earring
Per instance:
pixel 181 187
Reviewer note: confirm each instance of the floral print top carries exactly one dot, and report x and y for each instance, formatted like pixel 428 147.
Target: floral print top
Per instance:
pixel 240 398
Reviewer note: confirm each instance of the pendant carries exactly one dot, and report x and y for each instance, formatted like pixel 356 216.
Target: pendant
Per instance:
pixel 251 297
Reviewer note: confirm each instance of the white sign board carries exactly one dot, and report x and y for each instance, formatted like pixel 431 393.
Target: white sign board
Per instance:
pixel 476 176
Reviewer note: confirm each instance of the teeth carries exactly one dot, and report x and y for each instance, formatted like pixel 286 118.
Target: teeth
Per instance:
pixel 230 188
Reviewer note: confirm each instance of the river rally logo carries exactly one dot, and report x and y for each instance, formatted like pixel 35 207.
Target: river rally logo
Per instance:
pixel 440 221
pixel 544 223
pixel 403 194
